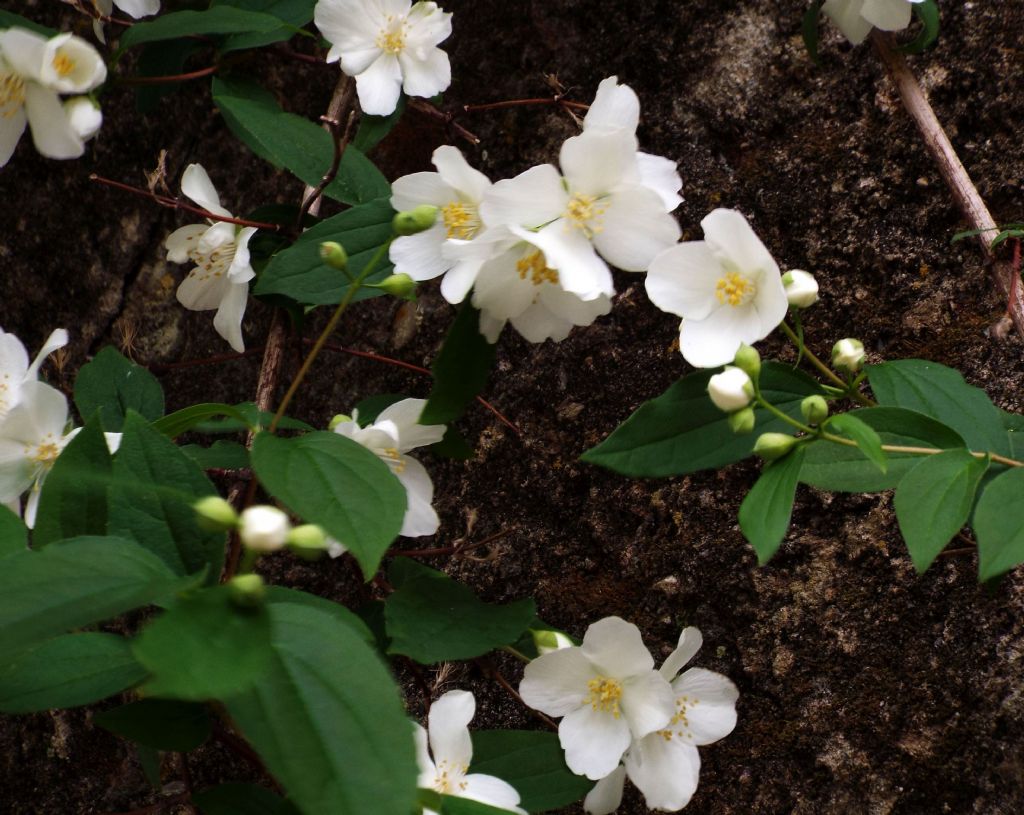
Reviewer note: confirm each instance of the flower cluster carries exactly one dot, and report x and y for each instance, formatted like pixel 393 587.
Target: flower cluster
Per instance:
pixel 856 18
pixel 34 72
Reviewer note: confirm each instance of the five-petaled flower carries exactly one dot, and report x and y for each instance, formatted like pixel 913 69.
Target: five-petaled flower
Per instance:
pixel 856 18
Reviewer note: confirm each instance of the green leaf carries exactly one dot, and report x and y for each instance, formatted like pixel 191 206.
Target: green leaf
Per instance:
pixel 113 385
pixel 151 762
pixel 682 431
pixel 460 369
pixel 933 501
pixel 999 524
pixel 328 720
pixel 867 439
pixel 160 724
pixel 809 31
pixel 242 799
pixel 299 272
pixel 8 19
pixel 941 393
pixel 292 13
pixel 244 416
pixel 765 512
pixel 74 497
pixel 216 20
pixel 13 534
pixel 373 129
pixel 1013 423
pixel 185 419
pixel 222 454
pixel 432 618
pixel 151 500
pixel 280 594
pixel 532 761
pixel 838 468
pixel 454 805
pixel 928 13
pixel 164 58
pixel 76 583
pixel 68 671
pixel 205 647
pixel 330 480
pixel 295 143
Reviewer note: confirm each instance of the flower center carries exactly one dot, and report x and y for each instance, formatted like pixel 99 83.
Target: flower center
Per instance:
pixel 680 723
pixel 391 39
pixel 735 289
pixel 215 263
pixel 536 266
pixel 604 695
pixel 392 458
pixel 460 221
pixel 63 64
pixel 12 94
pixel 449 778
pixel 584 212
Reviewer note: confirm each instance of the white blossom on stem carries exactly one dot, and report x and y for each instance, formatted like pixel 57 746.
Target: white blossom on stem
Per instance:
pixel 731 390
pixel 856 18
pixel 15 370
pixel 263 528
pixel 133 8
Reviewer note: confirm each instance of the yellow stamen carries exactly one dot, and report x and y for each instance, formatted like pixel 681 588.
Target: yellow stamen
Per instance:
pixel 605 695
pixel 63 64
pixel 393 459
pixel 735 289
pixel 535 265
pixel 391 39
pixel 584 212
pixel 46 454
pixel 460 221
pixel 12 94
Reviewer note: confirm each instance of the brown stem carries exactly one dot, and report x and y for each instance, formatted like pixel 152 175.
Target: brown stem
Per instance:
pixel 340 143
pixel 162 80
pixel 425 107
pixel 516 103
pixel 497 676
pixel 970 202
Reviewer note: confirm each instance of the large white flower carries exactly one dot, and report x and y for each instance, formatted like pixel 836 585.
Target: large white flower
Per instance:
pixel 396 432
pixel 607 691
pixel 220 279
pixel 456 189
pixel 388 46
pixel 15 369
pixel 33 71
pixel 727 288
pixel 856 18
pixel 665 765
pixel 447 772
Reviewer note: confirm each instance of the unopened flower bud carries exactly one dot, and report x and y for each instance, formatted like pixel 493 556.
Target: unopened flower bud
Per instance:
pixel 398 285
pixel 264 528
pixel 815 409
pixel 747 359
pixel 339 418
pixel 308 541
pixel 548 641
pixel 247 590
pixel 742 421
pixel 848 355
pixel 84 116
pixel 215 514
pixel 801 288
pixel 412 221
pixel 334 255
pixel 731 390
pixel 771 446
pixel 335 548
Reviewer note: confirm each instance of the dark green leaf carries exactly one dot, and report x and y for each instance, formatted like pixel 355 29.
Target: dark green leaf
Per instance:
pixel 372 129
pixel 225 455
pixel 532 761
pixel 301 274
pixel 928 13
pixel 765 512
pixel 460 369
pixel 867 439
pixel 68 671
pixel 682 431
pixel 330 480
pixel 280 594
pixel 432 618
pixel 165 58
pixel 217 20
pixel 113 385
pixel 187 418
pixel 809 30
pixel 245 416
pixel 150 761
pixel 328 720
pixel 933 501
pixel 1013 423
pixel 999 524
pixel 8 19
pixel 242 799
pixel 292 13
pixel 454 805
pixel 13 534
pixel 160 724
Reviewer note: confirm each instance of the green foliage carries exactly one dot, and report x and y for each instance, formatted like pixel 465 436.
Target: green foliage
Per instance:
pixel 999 524
pixel 227 455
pixel 682 431
pixel 163 58
pixel 68 671
pixel 241 799
pixel 13 534
pixel 113 385
pixel 217 20
pixel 205 647
pixel 928 13
pixel 327 719
pixel 188 418
pixel 373 129
pixel 329 480
pixel 866 437
pixel 1013 424
pixel 243 416
pixel 159 724
pixel 765 512
pixel 292 13
pixel 934 500
pixel 280 594
pixel 809 30
pixel 460 369
pixel 8 19
pixel 431 618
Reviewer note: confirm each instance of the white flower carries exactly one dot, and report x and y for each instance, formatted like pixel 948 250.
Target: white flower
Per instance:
pixel 607 691
pixel 727 288
pixel 801 288
pixel 848 354
pixel 222 273
pixel 33 71
pixel 856 18
pixel 133 8
pixel 452 750
pixel 456 189
pixel 15 369
pixel 396 432
pixel 731 390
pixel 388 46
pixel 84 115
pixel 665 765
pixel 263 528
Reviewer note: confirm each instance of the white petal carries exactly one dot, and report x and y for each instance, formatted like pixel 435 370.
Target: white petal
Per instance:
pixel 710 704
pixel 888 15
pixel 13 359
pixel 58 339
pixel 846 15
pixel 730 238
pixel 196 184
pixel 354 62
pixel 421 188
pixel 538 323
pixel 201 290
pixel 419 256
pixel 181 241
pixel 491 326
pixel 84 117
pixel 11 128
pixel 218 235
pixel 615 106
pixel 425 76
pixel 71 65
pixel 380 85
pixel 682 280
pixel 420 517
pixel 348 22
pixel 32 503
pixel 16 471
pixel 52 133
pixel 567 249
pixel 456 172
pixel 556 683
pixel 665 770
pixel 499 290
pixel 771 302
pixel 487 789
pixel 606 796
pixel 715 340
pixel 648 703
pixel 228 319
pixel 572 308
pixel 428 772
pixel 405 413
pixel 690 641
pixel 23 51
pixel 616 648
pixel 635 229
pixel 448 726
pixel 459 280
pixel 593 740
pixel 428 25
pixel 531 199
pixel 113 441
pixel 595 162
pixel 139 8
pixel 241 270
pixel 660 174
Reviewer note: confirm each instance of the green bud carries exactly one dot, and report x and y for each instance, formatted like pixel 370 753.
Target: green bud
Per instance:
pixel 742 421
pixel 334 255
pixel 398 285
pixel 338 419
pixel 247 590
pixel 772 446
pixel 215 514
pixel 412 221
pixel 548 641
pixel 749 361
pixel 814 409
pixel 308 541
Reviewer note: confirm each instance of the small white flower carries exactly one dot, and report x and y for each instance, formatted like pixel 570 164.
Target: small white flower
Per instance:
pixel 607 691
pixel 727 288
pixel 133 8
pixel 220 279
pixel 447 772
pixel 848 355
pixel 396 432
pixel 388 46
pixel 801 288
pixel 15 369
pixel 856 18
pixel 263 528
pixel 731 390
pixel 85 116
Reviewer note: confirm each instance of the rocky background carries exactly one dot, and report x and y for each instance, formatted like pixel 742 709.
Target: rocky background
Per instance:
pixel 864 688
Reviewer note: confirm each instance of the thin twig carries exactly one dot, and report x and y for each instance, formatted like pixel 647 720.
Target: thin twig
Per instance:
pixel 340 143
pixel 516 103
pixel 163 80
pixel 425 107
